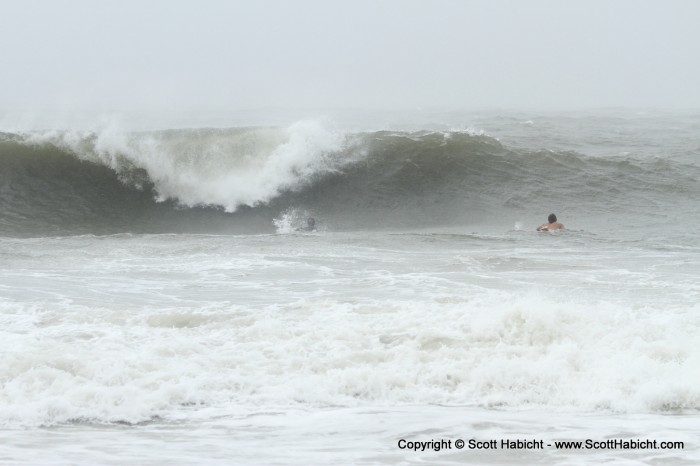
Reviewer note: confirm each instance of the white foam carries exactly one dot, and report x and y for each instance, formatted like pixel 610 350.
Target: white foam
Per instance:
pixel 126 328
pixel 497 349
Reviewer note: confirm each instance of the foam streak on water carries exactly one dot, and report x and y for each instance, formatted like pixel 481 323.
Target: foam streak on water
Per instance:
pixel 181 330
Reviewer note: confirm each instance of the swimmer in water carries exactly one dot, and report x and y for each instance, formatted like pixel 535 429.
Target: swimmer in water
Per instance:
pixel 310 225
pixel 551 224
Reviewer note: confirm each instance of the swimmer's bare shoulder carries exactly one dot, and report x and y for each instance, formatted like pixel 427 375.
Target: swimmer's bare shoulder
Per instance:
pixel 550 226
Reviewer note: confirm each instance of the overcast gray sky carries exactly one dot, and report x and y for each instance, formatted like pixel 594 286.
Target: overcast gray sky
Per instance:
pixel 182 56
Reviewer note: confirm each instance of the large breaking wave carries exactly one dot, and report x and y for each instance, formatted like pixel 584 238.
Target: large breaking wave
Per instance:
pixel 241 179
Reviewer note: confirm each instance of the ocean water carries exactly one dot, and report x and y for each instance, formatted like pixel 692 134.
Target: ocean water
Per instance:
pixel 159 303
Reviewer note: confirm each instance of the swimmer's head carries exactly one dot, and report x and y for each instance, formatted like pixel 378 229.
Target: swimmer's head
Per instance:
pixel 552 218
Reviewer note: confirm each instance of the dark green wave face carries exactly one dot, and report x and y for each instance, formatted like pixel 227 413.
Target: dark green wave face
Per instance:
pixel 238 180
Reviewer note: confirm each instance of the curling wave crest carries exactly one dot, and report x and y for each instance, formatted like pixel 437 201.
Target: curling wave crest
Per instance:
pixel 240 179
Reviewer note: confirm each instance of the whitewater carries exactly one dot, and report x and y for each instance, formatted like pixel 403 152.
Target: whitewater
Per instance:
pixel 160 302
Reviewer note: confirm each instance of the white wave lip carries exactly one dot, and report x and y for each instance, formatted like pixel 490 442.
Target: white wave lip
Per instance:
pixel 248 166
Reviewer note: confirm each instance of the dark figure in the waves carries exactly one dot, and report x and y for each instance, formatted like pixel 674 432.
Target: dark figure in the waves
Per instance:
pixel 310 225
pixel 551 224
